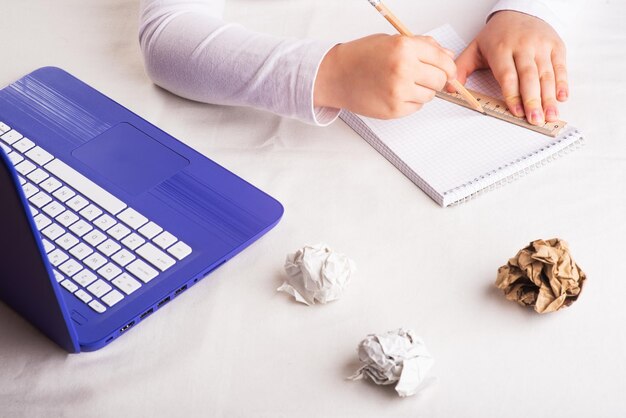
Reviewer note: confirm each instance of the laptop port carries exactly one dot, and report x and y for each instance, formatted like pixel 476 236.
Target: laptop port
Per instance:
pixel 164 301
pixel 127 326
pixel 146 313
pixel 181 290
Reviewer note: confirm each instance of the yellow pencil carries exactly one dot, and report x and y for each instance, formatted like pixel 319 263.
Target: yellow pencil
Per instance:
pixel 400 27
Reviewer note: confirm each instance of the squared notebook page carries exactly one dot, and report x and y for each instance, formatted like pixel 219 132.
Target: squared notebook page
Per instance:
pixel 452 152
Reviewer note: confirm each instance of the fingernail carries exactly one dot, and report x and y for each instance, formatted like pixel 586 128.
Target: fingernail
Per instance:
pixel 536 117
pixel 562 95
pixel 551 113
pixel 518 110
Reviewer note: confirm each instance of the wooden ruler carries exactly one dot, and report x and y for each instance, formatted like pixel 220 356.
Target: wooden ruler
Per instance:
pixel 497 109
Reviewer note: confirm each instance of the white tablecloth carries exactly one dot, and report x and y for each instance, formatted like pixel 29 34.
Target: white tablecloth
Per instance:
pixel 233 347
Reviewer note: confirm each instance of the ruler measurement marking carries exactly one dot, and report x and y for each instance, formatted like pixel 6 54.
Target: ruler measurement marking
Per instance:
pixel 497 109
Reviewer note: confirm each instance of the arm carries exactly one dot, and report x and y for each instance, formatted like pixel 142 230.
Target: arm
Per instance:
pixel 191 52
pixel 522 47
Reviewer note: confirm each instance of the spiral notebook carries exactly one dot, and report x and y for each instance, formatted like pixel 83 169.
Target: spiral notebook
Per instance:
pixel 453 153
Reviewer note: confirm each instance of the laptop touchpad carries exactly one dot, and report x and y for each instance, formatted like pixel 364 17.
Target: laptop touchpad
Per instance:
pixel 131 159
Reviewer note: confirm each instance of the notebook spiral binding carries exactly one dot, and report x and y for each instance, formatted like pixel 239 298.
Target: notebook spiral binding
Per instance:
pixel 578 143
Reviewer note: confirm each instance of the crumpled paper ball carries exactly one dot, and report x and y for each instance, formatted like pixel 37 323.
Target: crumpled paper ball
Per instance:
pixel 317 274
pixel 543 275
pixel 397 356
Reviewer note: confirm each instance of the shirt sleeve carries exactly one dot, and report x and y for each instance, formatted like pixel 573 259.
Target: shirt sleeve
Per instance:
pixel 189 50
pixel 557 13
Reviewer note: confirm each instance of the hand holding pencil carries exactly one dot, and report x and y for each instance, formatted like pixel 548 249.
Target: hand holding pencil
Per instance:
pixel 383 76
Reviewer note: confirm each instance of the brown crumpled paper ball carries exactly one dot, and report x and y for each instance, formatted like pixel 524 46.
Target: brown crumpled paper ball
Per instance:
pixel 543 275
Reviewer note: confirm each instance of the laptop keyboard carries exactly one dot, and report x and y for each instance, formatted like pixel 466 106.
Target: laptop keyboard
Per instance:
pixel 101 249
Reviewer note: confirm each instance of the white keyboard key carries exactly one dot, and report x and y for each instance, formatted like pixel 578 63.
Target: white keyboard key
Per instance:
pixel 179 250
pixel 39 155
pixel 76 203
pixel 112 297
pixel 143 271
pixel 70 267
pixel 109 247
pixel 4 128
pixel 85 186
pixel 50 184
pixel 16 158
pixel 54 209
pixel 99 288
pixel 126 283
pixel 69 285
pixel 104 222
pixel 11 137
pixel 66 218
pixel 133 241
pixel 156 257
pixel 56 257
pixel 94 237
pixel 37 176
pixel 84 278
pixel 5 148
pixel 29 190
pixel 33 211
pixel 25 167
pixel 81 251
pixel 150 230
pixel 132 218
pixel 53 231
pixel 84 296
pixel 91 212
pixel 64 194
pixel 97 306
pixel 42 221
pixel 23 145
pixel 165 239
pixel 58 276
pixel 109 271
pixel 40 200
pixel 67 241
pixel 118 232
pixel 95 261
pixel 80 228
pixel 47 245
pixel 123 257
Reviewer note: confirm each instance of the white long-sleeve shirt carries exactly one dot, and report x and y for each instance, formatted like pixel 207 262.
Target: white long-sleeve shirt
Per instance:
pixel 189 50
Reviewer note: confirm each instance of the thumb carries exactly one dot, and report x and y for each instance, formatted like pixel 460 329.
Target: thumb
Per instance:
pixel 469 61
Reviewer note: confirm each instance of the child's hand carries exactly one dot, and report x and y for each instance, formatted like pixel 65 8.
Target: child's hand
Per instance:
pixel 527 57
pixel 383 76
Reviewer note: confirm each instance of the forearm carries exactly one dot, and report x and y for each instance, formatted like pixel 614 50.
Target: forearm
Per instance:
pixel 191 52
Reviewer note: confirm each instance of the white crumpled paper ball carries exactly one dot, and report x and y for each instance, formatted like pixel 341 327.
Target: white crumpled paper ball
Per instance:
pixel 317 274
pixel 397 356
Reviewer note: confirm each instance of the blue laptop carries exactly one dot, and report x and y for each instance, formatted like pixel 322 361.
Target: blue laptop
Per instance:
pixel 104 217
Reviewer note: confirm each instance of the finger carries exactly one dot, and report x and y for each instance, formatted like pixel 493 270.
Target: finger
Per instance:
pixel 504 71
pixel 434 55
pixel 430 77
pixel 530 88
pixel 560 73
pixel 469 61
pixel 422 95
pixel 548 88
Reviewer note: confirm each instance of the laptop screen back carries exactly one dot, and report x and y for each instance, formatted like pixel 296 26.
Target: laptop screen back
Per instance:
pixel 25 281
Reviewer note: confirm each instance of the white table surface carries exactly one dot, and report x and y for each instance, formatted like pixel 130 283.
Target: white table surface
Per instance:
pixel 233 347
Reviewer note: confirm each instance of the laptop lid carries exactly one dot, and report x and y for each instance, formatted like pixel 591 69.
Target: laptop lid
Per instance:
pixel 27 283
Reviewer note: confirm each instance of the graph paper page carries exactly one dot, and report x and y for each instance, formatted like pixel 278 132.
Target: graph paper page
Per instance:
pixel 448 145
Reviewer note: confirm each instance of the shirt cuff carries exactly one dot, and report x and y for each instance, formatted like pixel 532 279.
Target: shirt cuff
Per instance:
pixel 536 8
pixel 319 116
